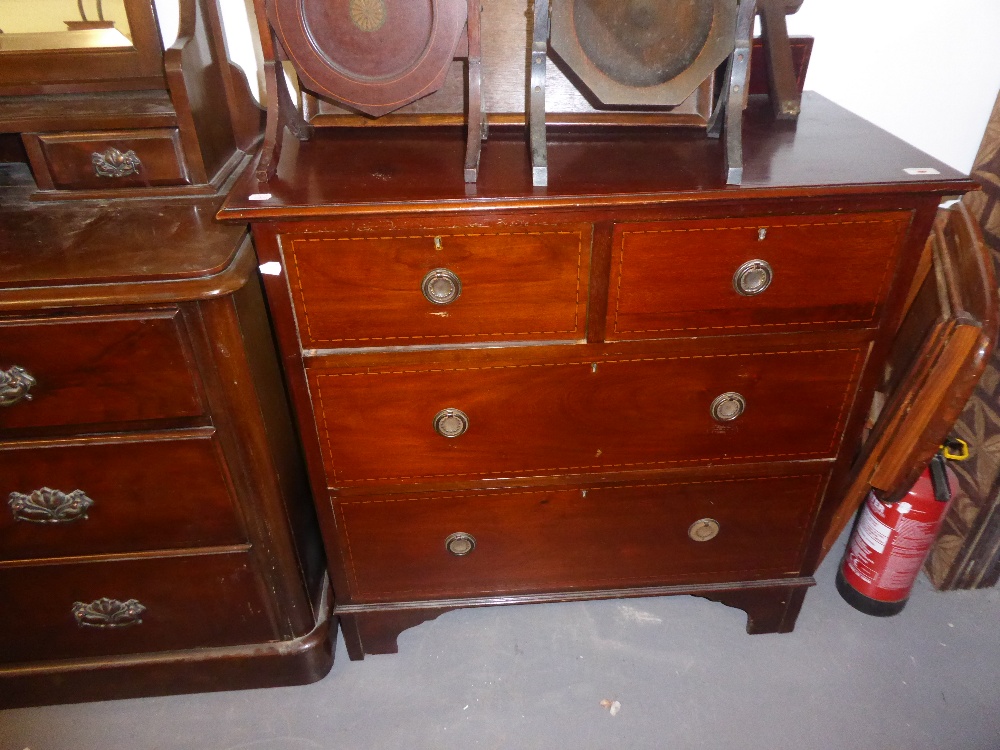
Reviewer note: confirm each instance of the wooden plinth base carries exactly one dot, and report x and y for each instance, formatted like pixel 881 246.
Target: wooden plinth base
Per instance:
pixel 277 664
pixel 771 606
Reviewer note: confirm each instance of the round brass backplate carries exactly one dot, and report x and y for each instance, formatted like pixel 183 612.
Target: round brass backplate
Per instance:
pixel 753 278
pixel 728 406
pixel 451 423
pixel 704 530
pixel 441 286
pixel 460 544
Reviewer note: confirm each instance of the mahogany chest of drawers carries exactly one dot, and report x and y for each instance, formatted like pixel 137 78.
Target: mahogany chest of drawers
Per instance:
pixel 634 382
pixel 156 534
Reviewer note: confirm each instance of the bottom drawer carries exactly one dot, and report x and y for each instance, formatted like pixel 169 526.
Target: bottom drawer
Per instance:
pixel 187 602
pixel 552 539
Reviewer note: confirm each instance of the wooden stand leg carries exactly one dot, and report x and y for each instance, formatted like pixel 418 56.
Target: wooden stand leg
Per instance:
pixel 477 123
pixel 536 116
pixel 281 113
pixel 370 633
pixel 785 98
pixel 768 610
pixel 738 83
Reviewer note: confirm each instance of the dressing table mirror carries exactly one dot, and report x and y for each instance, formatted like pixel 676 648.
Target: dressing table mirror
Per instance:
pixel 103 109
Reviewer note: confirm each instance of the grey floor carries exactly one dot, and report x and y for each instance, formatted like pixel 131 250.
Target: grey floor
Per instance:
pixel 683 669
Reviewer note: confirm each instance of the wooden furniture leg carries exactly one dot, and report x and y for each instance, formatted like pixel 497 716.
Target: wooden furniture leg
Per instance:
pixel 772 610
pixel 371 633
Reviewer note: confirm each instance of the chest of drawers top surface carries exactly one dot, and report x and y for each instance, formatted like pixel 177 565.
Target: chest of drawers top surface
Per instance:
pixel 827 152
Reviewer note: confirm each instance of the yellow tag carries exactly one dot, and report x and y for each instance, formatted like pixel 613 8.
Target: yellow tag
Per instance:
pixel 955 450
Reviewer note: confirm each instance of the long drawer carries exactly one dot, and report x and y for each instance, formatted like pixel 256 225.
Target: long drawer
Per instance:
pixel 439 286
pixel 85 609
pixel 547 539
pixel 451 420
pixel 752 275
pixel 87 498
pixel 99 369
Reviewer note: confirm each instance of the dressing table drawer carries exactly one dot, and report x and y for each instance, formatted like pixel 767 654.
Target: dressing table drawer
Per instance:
pixel 66 499
pixel 108 160
pixel 73 610
pixel 442 286
pixel 752 275
pixel 97 369
pixel 537 539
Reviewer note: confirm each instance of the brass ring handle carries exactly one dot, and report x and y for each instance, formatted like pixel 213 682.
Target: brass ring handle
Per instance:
pixel 441 286
pixel 753 278
pixel 15 382
pixel 704 530
pixel 451 423
pixel 108 613
pixel 728 406
pixel 460 544
pixel 50 506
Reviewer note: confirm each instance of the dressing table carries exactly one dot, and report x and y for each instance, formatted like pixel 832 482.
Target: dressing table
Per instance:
pixel 156 533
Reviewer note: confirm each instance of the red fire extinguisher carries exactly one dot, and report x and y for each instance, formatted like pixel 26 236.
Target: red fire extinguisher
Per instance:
pixel 891 540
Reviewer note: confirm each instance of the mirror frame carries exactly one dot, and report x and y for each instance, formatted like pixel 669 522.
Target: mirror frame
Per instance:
pixel 66 71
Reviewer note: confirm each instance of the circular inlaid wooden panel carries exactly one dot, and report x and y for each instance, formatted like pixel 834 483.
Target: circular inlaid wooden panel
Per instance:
pixel 372 55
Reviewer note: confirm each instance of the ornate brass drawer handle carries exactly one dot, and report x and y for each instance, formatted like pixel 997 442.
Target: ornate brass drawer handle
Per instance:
pixel 113 163
pixel 728 406
pixel 108 613
pixel 753 278
pixel 441 286
pixel 704 530
pixel 451 423
pixel 50 506
pixel 15 382
pixel 460 544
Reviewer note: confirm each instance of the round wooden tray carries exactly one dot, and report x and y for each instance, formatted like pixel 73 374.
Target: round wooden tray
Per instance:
pixel 371 55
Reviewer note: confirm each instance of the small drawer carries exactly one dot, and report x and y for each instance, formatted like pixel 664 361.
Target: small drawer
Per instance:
pixel 443 422
pixel 751 275
pixel 101 161
pixel 444 286
pixel 535 540
pixel 96 370
pixel 92 498
pixel 130 606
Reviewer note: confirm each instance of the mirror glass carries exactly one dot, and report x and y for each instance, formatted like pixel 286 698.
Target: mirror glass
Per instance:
pixel 31 25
